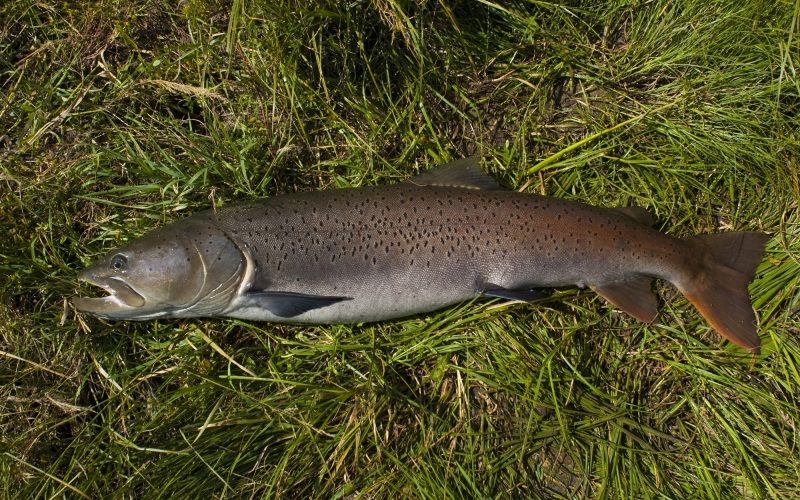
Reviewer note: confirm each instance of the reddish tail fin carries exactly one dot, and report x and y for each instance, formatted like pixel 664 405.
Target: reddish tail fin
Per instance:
pixel 720 293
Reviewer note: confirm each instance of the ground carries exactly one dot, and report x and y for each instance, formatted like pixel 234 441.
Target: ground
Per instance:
pixel 118 117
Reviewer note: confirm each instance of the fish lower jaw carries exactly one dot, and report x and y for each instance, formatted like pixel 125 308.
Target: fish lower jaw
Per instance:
pixel 100 305
pixel 122 301
pixel 111 307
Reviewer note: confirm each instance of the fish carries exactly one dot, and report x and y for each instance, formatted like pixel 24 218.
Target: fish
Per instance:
pixel 440 238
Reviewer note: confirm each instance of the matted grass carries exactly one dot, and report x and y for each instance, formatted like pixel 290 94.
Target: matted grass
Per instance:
pixel 117 117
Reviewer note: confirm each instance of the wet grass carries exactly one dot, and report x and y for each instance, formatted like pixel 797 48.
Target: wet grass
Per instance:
pixel 117 117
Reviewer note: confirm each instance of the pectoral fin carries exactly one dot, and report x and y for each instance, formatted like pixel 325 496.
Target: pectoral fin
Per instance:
pixel 633 296
pixel 521 295
pixel 290 304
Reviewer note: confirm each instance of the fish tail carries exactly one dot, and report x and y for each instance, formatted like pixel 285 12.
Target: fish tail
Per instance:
pixel 720 291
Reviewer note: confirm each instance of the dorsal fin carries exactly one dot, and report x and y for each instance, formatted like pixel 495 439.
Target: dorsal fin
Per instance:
pixel 465 173
pixel 639 214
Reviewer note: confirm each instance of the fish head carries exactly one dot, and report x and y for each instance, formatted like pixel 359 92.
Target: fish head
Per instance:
pixel 180 270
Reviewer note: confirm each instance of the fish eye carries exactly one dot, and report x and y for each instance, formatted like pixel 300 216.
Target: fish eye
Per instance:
pixel 119 262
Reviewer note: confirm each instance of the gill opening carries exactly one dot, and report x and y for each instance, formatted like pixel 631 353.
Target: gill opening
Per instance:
pixel 203 294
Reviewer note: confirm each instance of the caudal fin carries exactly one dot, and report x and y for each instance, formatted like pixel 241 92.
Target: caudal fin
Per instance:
pixel 720 294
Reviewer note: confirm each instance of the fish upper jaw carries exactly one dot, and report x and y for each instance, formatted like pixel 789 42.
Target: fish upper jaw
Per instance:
pixel 121 301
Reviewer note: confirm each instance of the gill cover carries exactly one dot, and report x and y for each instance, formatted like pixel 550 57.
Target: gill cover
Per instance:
pixel 188 268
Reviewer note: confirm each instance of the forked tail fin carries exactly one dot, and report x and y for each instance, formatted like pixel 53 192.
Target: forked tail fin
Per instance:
pixel 720 293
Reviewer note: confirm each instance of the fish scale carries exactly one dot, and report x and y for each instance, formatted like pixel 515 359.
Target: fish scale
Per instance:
pixel 445 236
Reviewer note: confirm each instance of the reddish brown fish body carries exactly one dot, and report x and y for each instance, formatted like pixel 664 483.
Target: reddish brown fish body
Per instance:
pixel 445 236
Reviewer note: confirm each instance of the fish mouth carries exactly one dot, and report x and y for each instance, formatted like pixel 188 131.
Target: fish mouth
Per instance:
pixel 121 297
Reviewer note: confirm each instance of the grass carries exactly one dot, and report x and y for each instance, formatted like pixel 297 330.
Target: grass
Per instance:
pixel 117 117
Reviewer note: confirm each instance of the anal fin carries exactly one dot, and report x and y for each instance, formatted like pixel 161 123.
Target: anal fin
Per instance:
pixel 632 295
pixel 290 304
